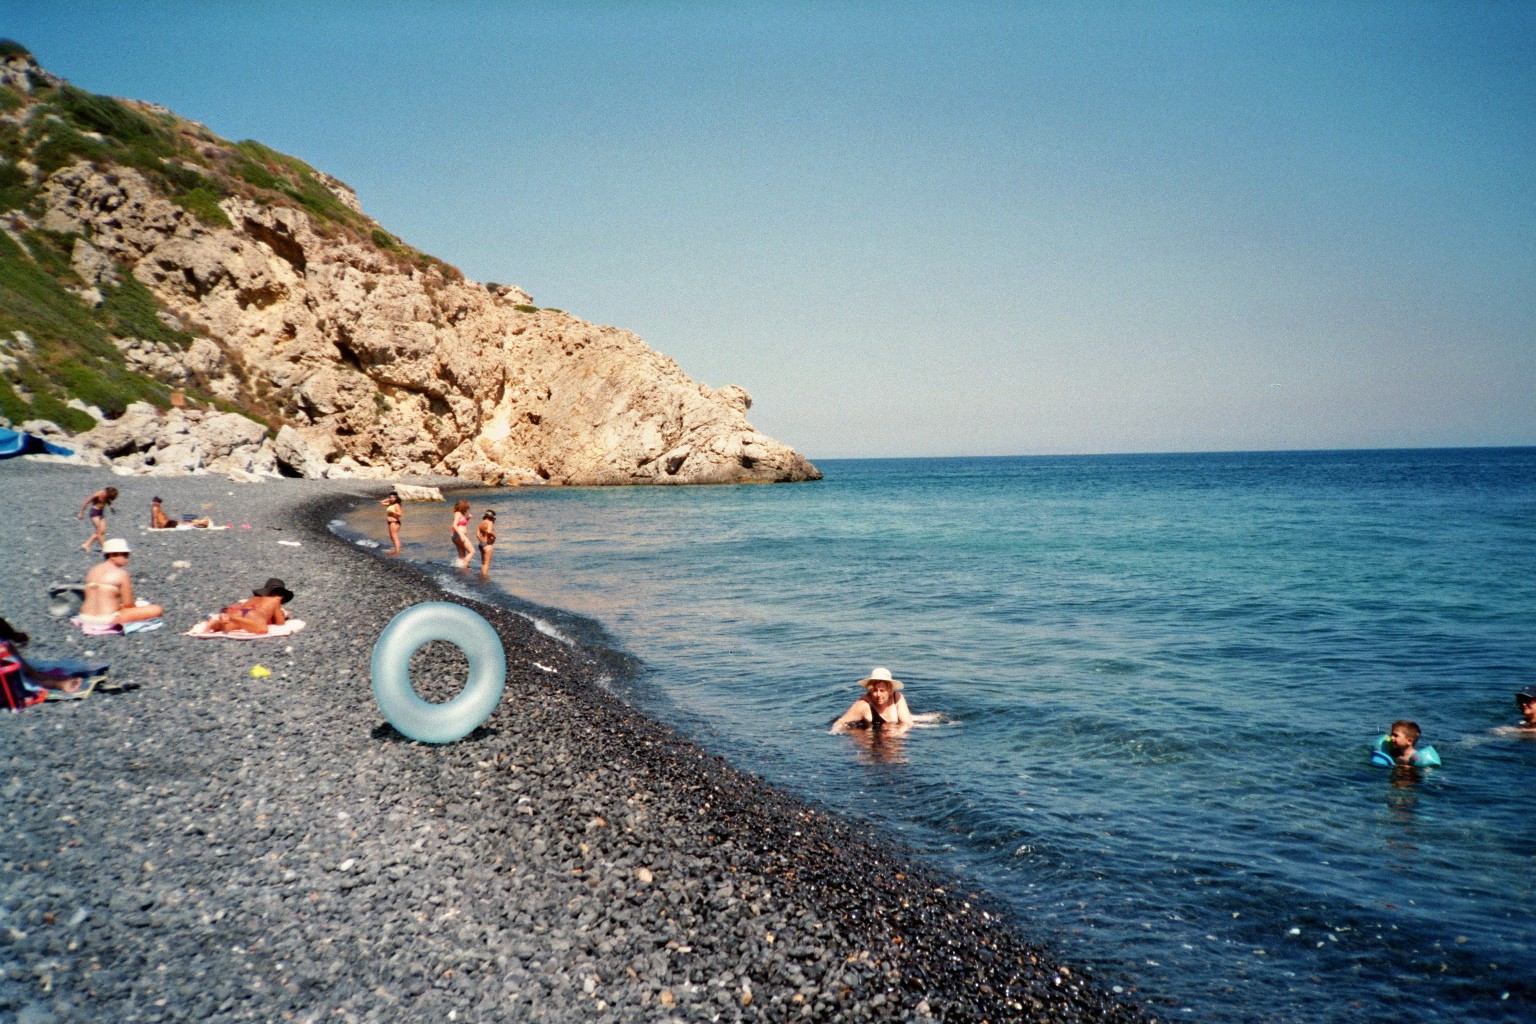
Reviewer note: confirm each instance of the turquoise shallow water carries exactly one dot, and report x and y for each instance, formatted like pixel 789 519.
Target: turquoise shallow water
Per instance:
pixel 1159 676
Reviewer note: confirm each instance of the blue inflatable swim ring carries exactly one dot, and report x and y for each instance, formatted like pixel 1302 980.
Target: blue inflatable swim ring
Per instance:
pixel 1423 757
pixel 390 669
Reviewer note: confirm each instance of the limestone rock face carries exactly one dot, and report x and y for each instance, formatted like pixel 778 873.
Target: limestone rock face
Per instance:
pixel 175 442
pixel 378 366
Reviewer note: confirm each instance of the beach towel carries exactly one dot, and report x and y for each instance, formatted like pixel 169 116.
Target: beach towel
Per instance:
pixel 87 687
pixel 114 629
pixel 49 674
pixel 288 628
pixel 46 673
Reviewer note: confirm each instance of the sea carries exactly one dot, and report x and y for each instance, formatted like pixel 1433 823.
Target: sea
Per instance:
pixel 1150 686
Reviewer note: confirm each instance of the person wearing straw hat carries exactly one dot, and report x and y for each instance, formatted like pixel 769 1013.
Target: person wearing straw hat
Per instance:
pixel 108 589
pixel 256 613
pixel 882 706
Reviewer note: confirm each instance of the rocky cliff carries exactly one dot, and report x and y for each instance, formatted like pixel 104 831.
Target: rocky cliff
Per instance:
pixel 275 296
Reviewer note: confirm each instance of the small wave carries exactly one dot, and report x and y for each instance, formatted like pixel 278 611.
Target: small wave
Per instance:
pixel 451 585
pixel 366 543
pixel 549 630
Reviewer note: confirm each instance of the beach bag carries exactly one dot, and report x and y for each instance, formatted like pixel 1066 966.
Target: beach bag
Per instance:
pixel 15 692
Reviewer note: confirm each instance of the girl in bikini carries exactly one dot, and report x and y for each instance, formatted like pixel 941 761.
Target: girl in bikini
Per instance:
pixel 97 504
pixel 461 533
pixel 392 510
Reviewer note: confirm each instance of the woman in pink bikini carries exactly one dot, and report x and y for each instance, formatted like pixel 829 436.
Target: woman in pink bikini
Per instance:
pixel 461 542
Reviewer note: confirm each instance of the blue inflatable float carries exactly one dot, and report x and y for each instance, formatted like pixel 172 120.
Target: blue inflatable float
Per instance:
pixel 390 669
pixel 1424 757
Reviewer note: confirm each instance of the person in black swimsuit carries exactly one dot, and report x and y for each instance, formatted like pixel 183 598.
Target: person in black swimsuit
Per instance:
pixel 882 706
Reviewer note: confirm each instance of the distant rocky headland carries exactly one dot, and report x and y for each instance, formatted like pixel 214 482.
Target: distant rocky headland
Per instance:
pixel 173 303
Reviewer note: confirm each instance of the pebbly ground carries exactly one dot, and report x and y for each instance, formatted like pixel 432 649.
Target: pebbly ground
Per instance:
pixel 194 844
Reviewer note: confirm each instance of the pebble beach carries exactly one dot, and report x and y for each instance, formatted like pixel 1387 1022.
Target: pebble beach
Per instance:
pixel 195 843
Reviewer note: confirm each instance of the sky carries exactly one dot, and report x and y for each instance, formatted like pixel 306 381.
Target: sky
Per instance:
pixel 939 228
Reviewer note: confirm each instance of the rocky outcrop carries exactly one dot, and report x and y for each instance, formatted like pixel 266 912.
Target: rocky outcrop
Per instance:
pixel 375 365
pixel 176 441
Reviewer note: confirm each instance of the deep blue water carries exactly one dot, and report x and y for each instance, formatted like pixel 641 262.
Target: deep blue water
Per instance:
pixel 1159 674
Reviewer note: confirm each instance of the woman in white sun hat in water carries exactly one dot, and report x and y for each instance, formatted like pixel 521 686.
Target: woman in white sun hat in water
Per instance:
pixel 882 706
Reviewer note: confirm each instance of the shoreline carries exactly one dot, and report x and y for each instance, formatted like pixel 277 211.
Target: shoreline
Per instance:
pixel 191 843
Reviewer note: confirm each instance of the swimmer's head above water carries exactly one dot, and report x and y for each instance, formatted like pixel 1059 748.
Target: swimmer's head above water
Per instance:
pixel 1526 701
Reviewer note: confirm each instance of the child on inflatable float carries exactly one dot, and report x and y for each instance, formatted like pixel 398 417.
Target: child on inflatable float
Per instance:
pixel 1397 748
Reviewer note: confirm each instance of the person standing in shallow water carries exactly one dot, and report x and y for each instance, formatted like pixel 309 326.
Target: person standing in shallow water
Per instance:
pixel 882 706
pixel 461 534
pixel 98 504
pixel 392 513
pixel 485 533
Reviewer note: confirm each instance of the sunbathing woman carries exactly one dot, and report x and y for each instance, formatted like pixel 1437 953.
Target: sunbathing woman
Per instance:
pixel 461 533
pixel 109 590
pixel 392 510
pixel 263 609
pixel 158 520
pixel 98 504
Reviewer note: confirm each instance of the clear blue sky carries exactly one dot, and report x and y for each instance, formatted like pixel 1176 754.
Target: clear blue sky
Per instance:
pixel 936 228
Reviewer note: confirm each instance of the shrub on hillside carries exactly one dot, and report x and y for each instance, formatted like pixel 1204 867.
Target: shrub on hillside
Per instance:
pixel 107 116
pixel 203 204
pixel 15 186
pixel 131 311
pixel 63 145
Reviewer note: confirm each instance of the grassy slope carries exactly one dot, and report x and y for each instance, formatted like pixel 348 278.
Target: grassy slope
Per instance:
pixel 67 351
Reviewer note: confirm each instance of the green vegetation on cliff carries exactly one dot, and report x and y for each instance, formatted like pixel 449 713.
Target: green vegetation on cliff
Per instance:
pixel 54 345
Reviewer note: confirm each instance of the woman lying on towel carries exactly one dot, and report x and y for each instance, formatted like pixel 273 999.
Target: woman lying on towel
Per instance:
pixel 109 590
pixel 257 613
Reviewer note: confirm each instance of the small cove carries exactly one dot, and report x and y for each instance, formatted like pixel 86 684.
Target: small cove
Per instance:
pixel 1159 674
